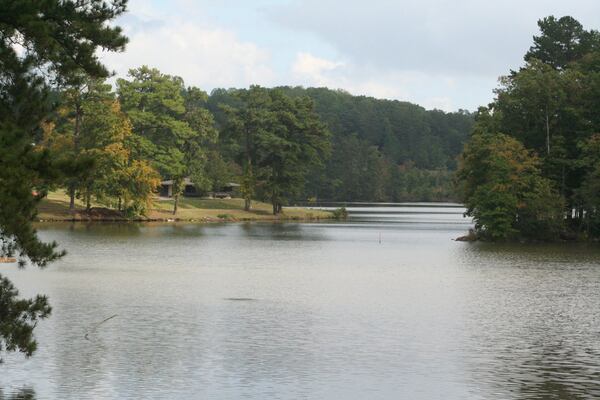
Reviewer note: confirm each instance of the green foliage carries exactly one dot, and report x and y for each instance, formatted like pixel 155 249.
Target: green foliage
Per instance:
pixel 340 213
pixel 218 171
pixel 401 131
pixel 171 125
pixel 90 126
pixel 18 318
pixel 282 138
pixel 246 118
pixel 503 189
pixel 562 41
pixel 356 171
pixel 62 35
pixel 551 107
pixel 376 145
pixel 588 195
pixel 409 183
pixel 155 105
pixel 25 174
pixel 528 103
pixel 295 140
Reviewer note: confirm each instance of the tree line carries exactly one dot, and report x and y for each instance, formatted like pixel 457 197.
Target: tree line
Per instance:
pixel 531 169
pixel 154 127
pixel 282 144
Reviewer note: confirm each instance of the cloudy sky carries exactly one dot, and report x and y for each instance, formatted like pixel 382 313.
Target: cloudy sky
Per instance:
pixel 444 54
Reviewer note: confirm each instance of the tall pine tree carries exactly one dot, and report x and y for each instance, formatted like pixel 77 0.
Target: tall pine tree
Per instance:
pixel 42 43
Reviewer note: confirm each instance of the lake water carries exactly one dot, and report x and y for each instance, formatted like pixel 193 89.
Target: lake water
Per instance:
pixel 382 306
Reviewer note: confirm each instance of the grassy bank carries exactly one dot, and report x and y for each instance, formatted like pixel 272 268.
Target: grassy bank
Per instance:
pixel 56 208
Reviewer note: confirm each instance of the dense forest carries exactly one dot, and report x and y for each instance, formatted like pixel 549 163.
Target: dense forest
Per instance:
pixel 531 169
pixel 381 150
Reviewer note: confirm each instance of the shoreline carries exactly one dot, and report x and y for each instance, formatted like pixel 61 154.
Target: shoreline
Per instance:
pixel 55 208
pixel 194 220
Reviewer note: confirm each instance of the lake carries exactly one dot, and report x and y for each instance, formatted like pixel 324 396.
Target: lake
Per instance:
pixel 384 305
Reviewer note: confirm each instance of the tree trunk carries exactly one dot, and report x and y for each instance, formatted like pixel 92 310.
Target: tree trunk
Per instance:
pixel 276 207
pixel 78 112
pixel 176 203
pixel 120 204
pixel 88 202
pixel 547 132
pixel 562 186
pixel 71 198
pixel 248 178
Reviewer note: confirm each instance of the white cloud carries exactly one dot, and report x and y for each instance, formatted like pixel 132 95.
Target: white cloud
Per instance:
pixel 440 103
pixel 314 68
pixel 204 56
pixel 310 70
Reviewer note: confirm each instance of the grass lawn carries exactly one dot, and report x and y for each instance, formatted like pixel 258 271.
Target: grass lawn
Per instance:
pixel 56 208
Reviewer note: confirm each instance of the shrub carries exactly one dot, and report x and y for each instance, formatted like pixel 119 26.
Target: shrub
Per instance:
pixel 340 213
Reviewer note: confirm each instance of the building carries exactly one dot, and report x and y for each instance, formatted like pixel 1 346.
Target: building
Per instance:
pixel 227 191
pixel 189 190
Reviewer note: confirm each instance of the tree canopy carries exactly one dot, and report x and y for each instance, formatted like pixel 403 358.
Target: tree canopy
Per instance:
pixel 562 41
pixel 505 192
pixel 412 150
pixel 280 138
pixel 550 107
pixel 170 124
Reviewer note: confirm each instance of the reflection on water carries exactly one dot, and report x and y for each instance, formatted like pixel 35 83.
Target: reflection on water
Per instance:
pixel 381 306
pixel 22 394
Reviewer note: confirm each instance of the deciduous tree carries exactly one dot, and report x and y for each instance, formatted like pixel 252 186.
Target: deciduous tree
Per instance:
pixel 504 191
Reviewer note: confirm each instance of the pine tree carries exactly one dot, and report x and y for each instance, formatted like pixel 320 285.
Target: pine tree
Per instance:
pixel 42 43
pixel 169 122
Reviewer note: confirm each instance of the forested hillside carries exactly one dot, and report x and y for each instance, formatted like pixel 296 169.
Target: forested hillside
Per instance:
pixel 381 150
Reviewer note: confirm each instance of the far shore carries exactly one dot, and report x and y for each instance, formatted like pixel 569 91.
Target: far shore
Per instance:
pixel 55 208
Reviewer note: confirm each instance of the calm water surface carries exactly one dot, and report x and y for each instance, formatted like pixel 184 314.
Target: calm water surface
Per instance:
pixel 382 306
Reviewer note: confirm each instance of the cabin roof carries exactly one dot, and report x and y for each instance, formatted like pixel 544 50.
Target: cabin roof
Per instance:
pixel 186 181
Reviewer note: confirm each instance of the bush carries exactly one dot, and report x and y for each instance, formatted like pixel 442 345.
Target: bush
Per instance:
pixel 340 213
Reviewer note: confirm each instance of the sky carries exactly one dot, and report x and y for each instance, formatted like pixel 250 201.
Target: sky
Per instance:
pixel 437 53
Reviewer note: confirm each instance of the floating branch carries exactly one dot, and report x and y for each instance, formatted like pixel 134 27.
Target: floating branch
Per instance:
pixel 97 325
